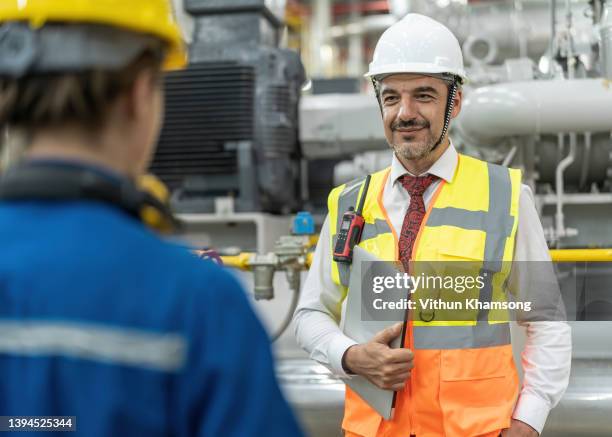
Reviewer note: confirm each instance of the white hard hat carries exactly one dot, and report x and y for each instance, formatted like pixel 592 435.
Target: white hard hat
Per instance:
pixel 417 44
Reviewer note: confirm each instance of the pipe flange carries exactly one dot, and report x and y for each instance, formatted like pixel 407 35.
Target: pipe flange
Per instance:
pixel 476 43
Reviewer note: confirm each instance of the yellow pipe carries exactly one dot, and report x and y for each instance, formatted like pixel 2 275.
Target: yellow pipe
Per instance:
pixel 575 255
pixel 241 261
pixel 309 258
pixel 312 241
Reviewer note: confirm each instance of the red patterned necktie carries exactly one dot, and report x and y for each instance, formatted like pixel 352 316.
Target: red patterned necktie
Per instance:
pixel 415 186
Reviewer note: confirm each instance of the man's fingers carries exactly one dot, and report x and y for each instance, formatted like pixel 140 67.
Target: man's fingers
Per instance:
pixel 396 368
pixel 387 382
pixel 386 336
pixel 394 386
pixel 400 355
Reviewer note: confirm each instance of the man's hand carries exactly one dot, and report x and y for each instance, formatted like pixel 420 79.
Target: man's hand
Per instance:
pixel 384 367
pixel 519 429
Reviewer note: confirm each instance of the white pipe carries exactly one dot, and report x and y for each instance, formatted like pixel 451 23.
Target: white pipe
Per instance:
pixel 355 64
pixel 493 19
pixel 586 159
pixel 553 31
pixel 571 62
pixel 536 107
pixel 606 41
pixel 509 157
pixel 319 36
pixel 565 163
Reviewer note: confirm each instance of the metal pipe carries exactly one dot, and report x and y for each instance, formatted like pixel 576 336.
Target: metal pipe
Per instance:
pixel 586 158
pixel 535 107
pixel 523 41
pixel 578 255
pixel 605 48
pixel 553 34
pixel 565 163
pixel 355 61
pixel 584 411
pixel 571 61
pixel 241 261
pixel 558 255
pixel 585 407
pixel 319 36
pixel 509 157
pixel 294 282
pixel 493 19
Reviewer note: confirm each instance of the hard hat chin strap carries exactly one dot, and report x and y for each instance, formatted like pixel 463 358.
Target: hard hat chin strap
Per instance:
pixel 450 105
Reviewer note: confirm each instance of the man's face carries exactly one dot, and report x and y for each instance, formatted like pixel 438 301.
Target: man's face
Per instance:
pixel 413 109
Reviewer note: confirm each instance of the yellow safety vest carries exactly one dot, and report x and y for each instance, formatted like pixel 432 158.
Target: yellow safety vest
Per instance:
pixel 464 382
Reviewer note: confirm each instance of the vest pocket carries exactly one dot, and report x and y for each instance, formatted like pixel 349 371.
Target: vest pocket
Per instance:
pixel 478 389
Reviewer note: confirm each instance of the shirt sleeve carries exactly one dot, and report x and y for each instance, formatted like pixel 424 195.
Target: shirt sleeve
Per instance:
pixel 546 358
pixel 230 381
pixel 317 316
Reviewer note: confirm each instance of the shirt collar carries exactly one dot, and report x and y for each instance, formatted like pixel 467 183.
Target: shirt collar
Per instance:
pixel 444 167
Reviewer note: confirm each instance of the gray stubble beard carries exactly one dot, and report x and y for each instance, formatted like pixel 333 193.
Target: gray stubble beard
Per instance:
pixel 408 152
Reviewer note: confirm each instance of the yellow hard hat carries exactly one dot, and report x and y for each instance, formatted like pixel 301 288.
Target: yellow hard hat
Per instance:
pixel 153 17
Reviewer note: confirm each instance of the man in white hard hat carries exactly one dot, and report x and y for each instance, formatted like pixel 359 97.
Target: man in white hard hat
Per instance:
pixel 432 204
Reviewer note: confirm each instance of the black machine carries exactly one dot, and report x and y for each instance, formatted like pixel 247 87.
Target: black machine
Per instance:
pixel 351 229
pixel 231 124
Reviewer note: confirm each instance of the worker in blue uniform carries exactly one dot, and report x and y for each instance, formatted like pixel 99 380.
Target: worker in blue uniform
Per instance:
pixel 103 322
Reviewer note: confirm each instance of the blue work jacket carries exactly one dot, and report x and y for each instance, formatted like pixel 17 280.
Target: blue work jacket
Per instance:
pixel 102 320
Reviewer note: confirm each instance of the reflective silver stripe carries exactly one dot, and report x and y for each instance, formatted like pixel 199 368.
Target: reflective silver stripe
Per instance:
pixel 471 220
pixel 348 198
pixel 374 230
pixel 461 337
pixel 497 223
pixel 500 195
pixel 129 347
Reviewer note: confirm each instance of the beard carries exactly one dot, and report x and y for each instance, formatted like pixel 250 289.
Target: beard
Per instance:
pixel 409 147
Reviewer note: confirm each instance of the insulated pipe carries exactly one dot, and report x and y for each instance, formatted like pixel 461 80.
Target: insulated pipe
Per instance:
pixel 319 36
pixel 509 157
pixel 536 107
pixel 578 255
pixel 553 31
pixel 493 20
pixel 586 158
pixel 558 255
pixel 585 408
pixel 606 41
pixel 565 163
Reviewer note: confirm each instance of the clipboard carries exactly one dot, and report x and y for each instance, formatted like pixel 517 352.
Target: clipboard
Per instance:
pixel 362 331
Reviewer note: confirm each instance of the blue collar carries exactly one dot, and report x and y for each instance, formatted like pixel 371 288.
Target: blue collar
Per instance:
pixel 100 170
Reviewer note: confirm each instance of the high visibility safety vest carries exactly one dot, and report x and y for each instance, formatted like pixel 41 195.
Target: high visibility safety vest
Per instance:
pixel 464 381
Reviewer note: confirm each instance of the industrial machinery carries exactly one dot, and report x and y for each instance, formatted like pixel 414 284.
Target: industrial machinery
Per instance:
pixel 231 118
pixel 539 98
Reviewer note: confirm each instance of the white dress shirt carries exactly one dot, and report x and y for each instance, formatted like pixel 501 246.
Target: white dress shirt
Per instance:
pixel 546 358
